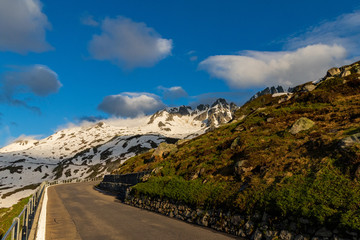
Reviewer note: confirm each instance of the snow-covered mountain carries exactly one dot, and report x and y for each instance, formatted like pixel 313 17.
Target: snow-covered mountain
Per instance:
pixel 93 149
pixel 271 90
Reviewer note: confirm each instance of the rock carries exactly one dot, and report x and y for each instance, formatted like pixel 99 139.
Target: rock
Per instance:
pixel 257 235
pixel 241 167
pixel 357 173
pixel 323 232
pixel 270 119
pixel 145 177
pixel 301 237
pixel 285 235
pixel 269 235
pixel 182 141
pixel 236 220
pixel 345 73
pixel 235 143
pixel 164 149
pixel 350 141
pixel 249 228
pixel 309 87
pixel 156 170
pixel 332 72
pixel 301 124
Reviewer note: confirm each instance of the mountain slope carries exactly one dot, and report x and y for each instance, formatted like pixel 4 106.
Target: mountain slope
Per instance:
pixel 293 155
pixel 95 149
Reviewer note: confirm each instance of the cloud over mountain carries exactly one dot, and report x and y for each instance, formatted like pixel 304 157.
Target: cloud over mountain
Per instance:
pixel 307 56
pixel 130 104
pixel 173 92
pixel 343 31
pixel 23 26
pixel 256 68
pixel 37 79
pixel 129 44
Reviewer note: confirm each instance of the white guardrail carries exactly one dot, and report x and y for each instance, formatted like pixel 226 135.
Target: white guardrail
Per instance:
pixel 22 225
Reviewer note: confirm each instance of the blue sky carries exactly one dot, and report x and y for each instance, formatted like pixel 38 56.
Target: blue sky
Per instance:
pixel 64 61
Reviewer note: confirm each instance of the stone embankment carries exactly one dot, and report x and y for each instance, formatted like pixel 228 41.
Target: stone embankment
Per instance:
pixel 257 226
pixel 120 183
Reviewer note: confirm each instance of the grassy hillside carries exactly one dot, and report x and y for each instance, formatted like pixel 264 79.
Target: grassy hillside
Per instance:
pixel 8 214
pixel 255 163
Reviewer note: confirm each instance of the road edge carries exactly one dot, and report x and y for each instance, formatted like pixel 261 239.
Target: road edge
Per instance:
pixel 41 225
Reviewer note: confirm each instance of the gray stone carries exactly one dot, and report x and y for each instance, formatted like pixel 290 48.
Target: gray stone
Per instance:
pixel 164 149
pixel 293 226
pixel 345 73
pixel 309 87
pixel 269 235
pixel 301 237
pixel 304 221
pixel 236 220
pixel 285 235
pixel 323 232
pixel 301 124
pixel 235 143
pixel 241 233
pixel 270 119
pixel 242 167
pixel 257 235
pixel 350 141
pixel 249 227
pixel 333 71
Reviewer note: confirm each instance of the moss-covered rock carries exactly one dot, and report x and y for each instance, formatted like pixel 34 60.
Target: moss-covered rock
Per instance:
pixel 301 124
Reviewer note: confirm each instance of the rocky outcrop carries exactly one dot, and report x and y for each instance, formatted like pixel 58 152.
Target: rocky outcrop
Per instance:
pixel 271 90
pixel 342 72
pixel 301 124
pixel 350 141
pixel 163 150
pixel 256 226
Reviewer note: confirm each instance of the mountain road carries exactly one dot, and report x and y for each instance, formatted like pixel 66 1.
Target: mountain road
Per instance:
pixel 78 211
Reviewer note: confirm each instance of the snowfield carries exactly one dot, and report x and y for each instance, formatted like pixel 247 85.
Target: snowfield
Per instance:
pixel 95 149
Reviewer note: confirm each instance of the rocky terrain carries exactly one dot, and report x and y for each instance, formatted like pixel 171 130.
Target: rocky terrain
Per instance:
pixel 94 149
pixel 287 166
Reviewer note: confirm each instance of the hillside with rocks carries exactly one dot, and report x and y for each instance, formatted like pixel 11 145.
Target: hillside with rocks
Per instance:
pixel 287 166
pixel 94 149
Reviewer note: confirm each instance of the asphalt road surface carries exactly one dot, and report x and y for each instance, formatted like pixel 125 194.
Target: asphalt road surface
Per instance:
pixel 77 211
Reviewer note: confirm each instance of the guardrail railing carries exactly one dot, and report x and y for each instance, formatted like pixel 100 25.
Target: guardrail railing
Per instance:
pixel 21 225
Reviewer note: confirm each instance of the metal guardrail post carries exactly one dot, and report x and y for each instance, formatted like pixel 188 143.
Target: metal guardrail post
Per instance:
pixel 29 209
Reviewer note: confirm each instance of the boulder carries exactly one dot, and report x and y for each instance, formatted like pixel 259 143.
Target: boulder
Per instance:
pixel 235 143
pixel 332 72
pixel 350 141
pixel 323 232
pixel 164 149
pixel 242 167
pixel 301 124
pixel 345 73
pixel 285 235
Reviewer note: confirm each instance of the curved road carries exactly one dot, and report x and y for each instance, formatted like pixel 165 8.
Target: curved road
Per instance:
pixel 77 211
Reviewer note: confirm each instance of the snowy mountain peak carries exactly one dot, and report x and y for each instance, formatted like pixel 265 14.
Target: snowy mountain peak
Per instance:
pixel 92 149
pixel 221 102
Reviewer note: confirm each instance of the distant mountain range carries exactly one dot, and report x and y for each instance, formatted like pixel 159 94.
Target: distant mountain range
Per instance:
pixel 97 148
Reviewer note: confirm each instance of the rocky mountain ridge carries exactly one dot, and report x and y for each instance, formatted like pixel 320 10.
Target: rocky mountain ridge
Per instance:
pixel 93 149
pixel 291 161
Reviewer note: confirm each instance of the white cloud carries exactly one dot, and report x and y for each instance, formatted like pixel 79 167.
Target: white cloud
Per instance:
pixel 255 68
pixel 343 31
pixel 307 56
pixel 23 26
pixel 89 20
pixel 36 79
pixel 173 92
pixel 129 44
pixel 131 105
